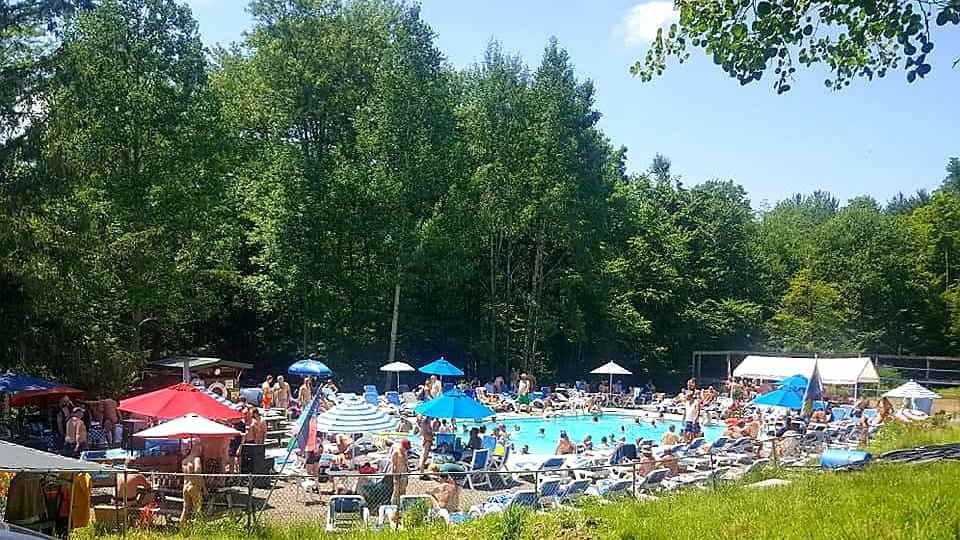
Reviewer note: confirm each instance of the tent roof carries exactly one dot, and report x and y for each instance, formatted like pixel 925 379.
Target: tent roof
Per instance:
pixel 199 362
pixel 913 390
pixel 14 457
pixel 832 370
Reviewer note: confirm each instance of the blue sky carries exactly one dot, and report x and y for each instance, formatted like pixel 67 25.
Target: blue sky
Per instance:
pixel 872 138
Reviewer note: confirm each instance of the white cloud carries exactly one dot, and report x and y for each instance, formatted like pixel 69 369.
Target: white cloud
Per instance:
pixel 641 23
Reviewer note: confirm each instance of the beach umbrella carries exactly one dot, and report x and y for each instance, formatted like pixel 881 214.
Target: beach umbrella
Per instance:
pixel 308 367
pixel 188 425
pixel 454 404
pixel 798 382
pixel 790 398
pixel 354 415
pixel 611 368
pixel 912 390
pixel 26 390
pixel 176 401
pixel 398 367
pixel 441 368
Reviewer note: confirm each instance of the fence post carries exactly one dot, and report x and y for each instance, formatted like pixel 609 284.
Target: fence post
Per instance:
pixel 536 483
pixel 249 501
pixel 773 452
pixel 123 511
pixel 633 471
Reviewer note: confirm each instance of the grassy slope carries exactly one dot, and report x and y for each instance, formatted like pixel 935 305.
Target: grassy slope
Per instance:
pixel 882 502
pixel 896 435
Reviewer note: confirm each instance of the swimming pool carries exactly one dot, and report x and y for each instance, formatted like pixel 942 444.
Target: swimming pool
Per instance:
pixel 578 427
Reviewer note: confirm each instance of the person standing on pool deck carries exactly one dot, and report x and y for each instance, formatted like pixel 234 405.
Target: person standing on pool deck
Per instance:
pixel 426 435
pixel 691 417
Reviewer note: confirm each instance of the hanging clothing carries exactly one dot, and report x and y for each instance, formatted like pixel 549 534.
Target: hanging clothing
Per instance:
pixel 26 503
pixel 80 501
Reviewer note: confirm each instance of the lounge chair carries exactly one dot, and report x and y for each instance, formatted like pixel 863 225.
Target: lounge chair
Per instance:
pixel 393 398
pixel 653 480
pixel 553 464
pixel 573 490
pixel 549 492
pixel 477 473
pixel 614 489
pixel 347 511
pixel 499 503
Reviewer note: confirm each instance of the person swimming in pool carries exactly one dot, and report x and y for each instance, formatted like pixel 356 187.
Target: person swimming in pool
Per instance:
pixel 542 432
pixel 596 418
pixel 516 427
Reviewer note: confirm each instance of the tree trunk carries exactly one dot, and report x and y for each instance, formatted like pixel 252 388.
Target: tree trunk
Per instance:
pixel 393 325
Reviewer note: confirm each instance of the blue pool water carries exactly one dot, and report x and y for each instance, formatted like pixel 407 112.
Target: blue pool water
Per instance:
pixel 578 427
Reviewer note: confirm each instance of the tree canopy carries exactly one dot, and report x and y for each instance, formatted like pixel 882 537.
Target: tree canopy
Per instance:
pixel 852 39
pixel 296 190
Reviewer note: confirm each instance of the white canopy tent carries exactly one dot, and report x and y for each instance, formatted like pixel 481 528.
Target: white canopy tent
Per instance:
pixel 836 371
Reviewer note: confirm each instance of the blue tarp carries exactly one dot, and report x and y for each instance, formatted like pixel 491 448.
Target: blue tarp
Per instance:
pixel 12 383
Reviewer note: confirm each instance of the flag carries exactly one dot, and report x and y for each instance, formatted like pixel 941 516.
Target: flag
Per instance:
pixel 305 429
pixel 814 390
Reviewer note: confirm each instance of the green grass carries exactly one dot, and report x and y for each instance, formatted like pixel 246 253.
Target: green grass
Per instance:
pixel 896 435
pixel 949 393
pixel 881 502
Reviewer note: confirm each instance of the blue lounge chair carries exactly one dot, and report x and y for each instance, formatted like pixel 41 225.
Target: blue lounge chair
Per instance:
pixel 553 464
pixel 653 480
pixel 347 511
pixel 573 490
pixel 870 413
pixel 610 490
pixel 545 390
pixel 447 387
pixel 549 492
pixel 839 413
pixel 489 442
pixel 819 405
pixel 393 398
pixel 370 388
pixel 477 473
pixel 625 452
pixel 499 503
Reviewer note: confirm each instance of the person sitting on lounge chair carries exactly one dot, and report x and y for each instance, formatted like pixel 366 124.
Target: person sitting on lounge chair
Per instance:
pixel 669 461
pixel 447 494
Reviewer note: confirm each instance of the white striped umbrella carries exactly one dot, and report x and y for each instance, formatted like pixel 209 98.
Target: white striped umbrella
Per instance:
pixel 912 390
pixel 353 415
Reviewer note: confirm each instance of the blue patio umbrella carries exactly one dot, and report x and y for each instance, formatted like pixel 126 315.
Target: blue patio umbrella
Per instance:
pixel 454 404
pixel 797 382
pixel 790 398
pixel 308 367
pixel 441 368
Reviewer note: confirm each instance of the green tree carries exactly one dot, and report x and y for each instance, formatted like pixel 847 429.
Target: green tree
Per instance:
pixel 856 39
pixel 813 316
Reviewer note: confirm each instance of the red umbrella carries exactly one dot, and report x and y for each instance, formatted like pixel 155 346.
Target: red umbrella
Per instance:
pixel 176 401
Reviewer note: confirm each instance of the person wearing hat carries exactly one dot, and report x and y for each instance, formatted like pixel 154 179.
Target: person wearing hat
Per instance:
pixel 75 435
